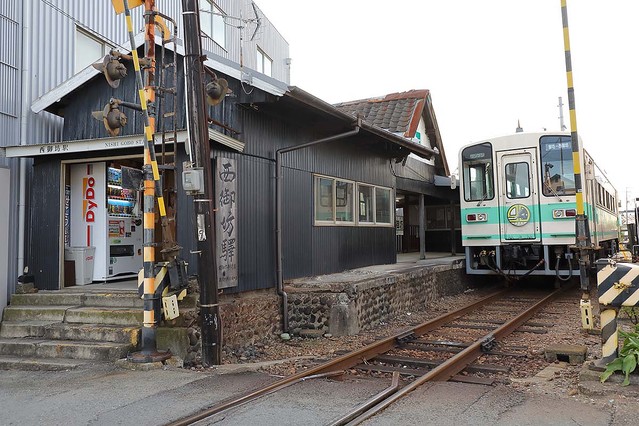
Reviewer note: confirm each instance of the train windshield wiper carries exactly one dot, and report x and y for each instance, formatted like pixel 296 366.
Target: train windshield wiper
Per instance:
pixel 552 190
pixel 483 198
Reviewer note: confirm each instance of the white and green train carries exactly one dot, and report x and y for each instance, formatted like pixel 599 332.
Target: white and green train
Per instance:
pixel 518 205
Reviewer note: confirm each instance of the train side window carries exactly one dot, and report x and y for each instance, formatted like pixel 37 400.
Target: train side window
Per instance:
pixel 517 180
pixel 557 168
pixel 477 169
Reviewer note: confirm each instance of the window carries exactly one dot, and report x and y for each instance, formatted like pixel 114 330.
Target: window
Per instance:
pixel 557 167
pixel 517 180
pixel 88 50
pixel 477 164
pixel 341 202
pixel 382 205
pixel 365 200
pixel 264 63
pixel 212 22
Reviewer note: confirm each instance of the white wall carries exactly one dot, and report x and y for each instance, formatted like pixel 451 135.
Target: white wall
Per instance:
pixel 4 237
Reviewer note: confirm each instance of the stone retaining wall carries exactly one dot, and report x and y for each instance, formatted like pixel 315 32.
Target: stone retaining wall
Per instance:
pixel 361 302
pixel 340 304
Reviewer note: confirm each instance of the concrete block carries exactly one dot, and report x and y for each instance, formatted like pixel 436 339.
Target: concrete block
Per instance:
pixel 574 354
pixel 174 339
pixel 343 320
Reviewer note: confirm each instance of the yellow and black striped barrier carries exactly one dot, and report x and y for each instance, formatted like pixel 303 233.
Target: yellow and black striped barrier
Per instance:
pixel 617 286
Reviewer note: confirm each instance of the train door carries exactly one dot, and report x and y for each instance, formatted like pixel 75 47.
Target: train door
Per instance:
pixel 518 195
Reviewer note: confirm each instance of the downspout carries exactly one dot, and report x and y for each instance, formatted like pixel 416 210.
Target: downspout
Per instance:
pixel 278 212
pixel 26 52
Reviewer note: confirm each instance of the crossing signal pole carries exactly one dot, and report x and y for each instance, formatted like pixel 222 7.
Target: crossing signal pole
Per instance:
pixel 582 231
pixel 152 187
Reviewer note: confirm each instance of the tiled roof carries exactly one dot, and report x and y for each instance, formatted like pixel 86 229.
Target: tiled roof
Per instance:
pixel 396 112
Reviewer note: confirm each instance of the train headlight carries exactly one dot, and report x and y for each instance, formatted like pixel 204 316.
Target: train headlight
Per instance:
pixel 563 213
pixel 477 217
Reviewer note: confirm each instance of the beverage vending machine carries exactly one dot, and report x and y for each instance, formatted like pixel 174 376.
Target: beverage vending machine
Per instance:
pixel 107 216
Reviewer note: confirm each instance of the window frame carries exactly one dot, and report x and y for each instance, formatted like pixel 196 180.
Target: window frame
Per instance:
pixel 509 193
pixel 566 164
pixel 213 14
pixel 354 203
pixel 488 170
pixel 104 47
pixel 262 58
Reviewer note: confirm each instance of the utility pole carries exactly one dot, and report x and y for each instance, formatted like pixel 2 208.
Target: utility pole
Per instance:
pixel 562 126
pixel 204 215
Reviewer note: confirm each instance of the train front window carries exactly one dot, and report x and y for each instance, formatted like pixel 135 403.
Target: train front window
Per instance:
pixel 556 165
pixel 477 169
pixel 517 180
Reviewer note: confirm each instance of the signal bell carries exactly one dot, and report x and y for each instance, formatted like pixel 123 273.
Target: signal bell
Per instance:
pixel 216 90
pixel 112 118
pixel 113 70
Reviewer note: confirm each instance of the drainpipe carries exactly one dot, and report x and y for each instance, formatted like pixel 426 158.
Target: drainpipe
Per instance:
pixel 278 212
pixel 26 52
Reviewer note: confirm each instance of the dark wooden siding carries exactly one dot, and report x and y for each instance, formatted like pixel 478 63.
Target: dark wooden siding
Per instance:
pixel 44 224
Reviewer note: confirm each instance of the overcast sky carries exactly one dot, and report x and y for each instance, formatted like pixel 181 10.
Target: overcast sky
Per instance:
pixel 486 63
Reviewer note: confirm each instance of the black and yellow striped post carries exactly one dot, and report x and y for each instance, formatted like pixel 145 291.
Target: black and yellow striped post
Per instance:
pixel 152 190
pixel 617 286
pixel 582 230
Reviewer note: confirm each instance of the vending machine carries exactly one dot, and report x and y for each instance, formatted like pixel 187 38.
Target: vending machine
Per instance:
pixel 106 216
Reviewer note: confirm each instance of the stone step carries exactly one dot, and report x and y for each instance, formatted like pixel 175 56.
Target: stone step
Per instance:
pixel 39 364
pixel 75 349
pixel 105 315
pixel 29 313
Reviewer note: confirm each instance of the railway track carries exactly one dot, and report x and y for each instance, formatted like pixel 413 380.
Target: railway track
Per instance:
pixel 455 346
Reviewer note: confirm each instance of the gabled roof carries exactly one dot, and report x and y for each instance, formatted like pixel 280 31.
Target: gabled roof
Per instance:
pixel 48 101
pixel 400 113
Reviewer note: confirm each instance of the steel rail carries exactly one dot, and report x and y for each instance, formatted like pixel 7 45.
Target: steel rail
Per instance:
pixel 346 361
pixel 461 360
pixel 371 402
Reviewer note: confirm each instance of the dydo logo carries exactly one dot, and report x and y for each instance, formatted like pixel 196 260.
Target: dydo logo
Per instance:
pixel 89 204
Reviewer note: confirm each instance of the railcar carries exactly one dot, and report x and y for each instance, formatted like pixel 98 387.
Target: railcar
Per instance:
pixel 518 205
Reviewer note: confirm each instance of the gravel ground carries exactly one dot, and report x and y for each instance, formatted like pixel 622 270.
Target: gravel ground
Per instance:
pixel 297 354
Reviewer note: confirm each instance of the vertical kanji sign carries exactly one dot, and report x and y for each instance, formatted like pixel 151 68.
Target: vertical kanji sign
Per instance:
pixel 226 222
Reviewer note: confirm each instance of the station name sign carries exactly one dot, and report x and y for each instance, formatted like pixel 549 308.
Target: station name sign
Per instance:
pixel 86 145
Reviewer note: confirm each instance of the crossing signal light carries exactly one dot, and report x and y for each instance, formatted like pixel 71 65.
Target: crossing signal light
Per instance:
pixel 113 70
pixel 112 117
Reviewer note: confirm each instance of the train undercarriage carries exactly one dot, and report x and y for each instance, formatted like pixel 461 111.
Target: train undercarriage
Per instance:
pixel 531 259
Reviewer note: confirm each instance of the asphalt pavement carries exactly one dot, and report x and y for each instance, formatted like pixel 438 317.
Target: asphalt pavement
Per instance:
pixel 106 394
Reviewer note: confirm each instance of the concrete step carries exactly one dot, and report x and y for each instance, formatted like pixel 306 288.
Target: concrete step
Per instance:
pixel 39 364
pixel 93 332
pixel 46 298
pixel 33 328
pixel 129 299
pixel 104 315
pixel 74 349
pixel 114 299
pixel 66 331
pixel 30 313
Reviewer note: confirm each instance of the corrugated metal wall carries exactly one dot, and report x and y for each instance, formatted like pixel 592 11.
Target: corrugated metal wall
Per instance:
pixel 10 104
pixel 52 26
